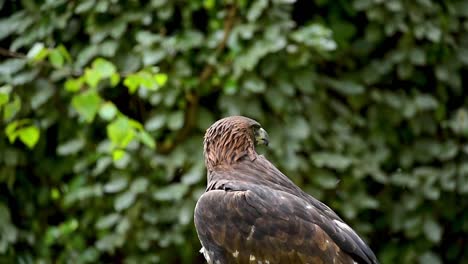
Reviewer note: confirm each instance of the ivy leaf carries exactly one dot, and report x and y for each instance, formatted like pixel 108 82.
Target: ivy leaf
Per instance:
pixel 4 98
pixel 92 77
pixel 104 68
pixel 160 79
pixel 87 104
pixel 5 94
pixel 120 132
pixel 70 147
pixel 172 192
pixel 11 108
pixel 108 111
pixel 429 258
pixel 38 52
pixel 132 82
pixel 124 201
pixel 256 10
pixel 146 139
pixel 346 87
pixel 74 85
pixel 145 79
pixel 114 79
pixel 316 36
pixel 175 120
pixel 64 52
pixel 56 58
pixel 432 230
pixel 331 160
pixel 29 135
pixel 116 185
pixel 139 185
pixel 118 154
pixel 10 131
pixel 107 221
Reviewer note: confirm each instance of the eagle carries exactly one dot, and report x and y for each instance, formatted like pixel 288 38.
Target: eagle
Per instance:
pixel 252 213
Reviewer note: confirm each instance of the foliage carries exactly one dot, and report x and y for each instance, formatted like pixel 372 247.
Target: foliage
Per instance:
pixel 104 103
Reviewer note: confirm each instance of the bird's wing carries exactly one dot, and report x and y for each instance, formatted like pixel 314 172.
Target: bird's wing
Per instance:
pixel 241 222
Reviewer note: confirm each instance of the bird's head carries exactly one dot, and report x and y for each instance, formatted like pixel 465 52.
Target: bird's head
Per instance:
pixel 231 139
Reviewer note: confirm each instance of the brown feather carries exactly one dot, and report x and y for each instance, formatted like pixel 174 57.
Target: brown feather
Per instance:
pixel 253 213
pixel 229 140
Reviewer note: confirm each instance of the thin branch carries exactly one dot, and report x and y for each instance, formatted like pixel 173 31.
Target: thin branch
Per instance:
pixel 11 54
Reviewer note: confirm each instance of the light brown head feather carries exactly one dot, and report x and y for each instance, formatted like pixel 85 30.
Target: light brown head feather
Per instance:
pixel 228 140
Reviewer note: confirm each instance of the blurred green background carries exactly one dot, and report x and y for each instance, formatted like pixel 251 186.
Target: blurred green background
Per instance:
pixel 103 106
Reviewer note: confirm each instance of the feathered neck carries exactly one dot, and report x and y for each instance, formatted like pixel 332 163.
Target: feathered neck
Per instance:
pixel 226 143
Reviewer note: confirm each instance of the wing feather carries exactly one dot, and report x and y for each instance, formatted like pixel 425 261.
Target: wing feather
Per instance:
pixel 255 222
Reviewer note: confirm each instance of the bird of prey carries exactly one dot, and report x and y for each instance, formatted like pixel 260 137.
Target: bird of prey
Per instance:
pixel 252 213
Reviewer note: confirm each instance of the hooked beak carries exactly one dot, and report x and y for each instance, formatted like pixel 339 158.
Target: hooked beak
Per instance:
pixel 261 137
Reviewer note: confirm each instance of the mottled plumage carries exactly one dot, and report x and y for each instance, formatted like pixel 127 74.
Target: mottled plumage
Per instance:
pixel 253 213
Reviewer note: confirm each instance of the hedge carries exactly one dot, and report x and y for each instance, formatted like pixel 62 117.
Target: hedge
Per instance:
pixel 104 104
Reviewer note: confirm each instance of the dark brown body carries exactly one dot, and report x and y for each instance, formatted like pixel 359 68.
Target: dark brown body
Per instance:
pixel 252 213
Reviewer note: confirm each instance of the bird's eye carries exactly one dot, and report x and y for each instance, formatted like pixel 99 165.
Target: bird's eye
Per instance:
pixel 255 129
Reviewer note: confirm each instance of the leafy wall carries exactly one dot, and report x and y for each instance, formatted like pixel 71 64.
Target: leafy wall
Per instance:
pixel 104 103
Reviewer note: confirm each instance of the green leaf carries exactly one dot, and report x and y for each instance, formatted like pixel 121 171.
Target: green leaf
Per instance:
pixel 432 230
pixel 84 6
pixel 256 10
pixel 107 221
pixel 160 79
pixel 29 135
pixel 346 87
pixel 108 111
pixel 56 58
pixel 55 194
pixel 325 180
pixel 104 68
pixel 10 131
pixel 426 102
pixel 175 120
pixel 5 94
pixel 87 104
pixel 12 66
pixel 74 85
pixel 316 36
pixel 299 129
pixel 208 4
pixel 156 122
pixel 171 192
pixel 70 147
pixel 44 91
pixel 135 124
pixel 145 79
pixel 132 82
pixel 118 154
pixel 254 84
pixel 4 98
pixel 11 108
pixel 124 201
pixel 147 38
pixel 92 77
pixel 38 52
pixel 331 160
pixel 120 132
pixel 429 258
pixel 146 139
pixel 116 185
pixel 123 160
pixel 64 52
pixel 139 185
pixel 114 79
